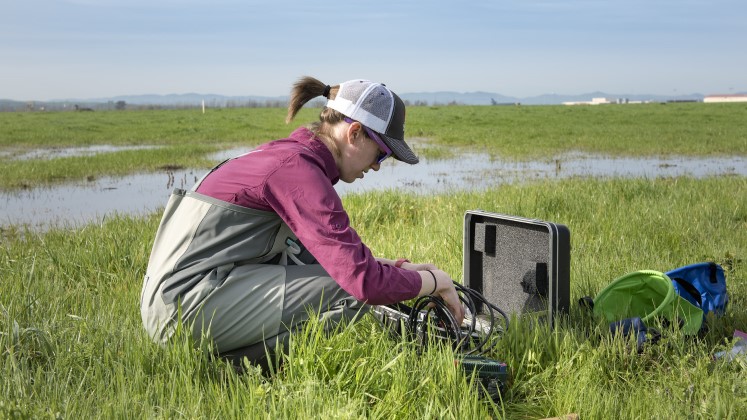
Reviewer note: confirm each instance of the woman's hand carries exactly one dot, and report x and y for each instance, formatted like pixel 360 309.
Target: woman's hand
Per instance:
pixel 419 267
pixel 444 288
pixel 408 265
pixel 435 282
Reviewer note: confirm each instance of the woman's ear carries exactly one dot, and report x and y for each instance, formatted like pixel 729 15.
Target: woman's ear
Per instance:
pixel 354 131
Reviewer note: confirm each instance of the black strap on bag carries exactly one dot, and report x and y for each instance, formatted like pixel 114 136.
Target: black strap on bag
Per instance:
pixel 691 290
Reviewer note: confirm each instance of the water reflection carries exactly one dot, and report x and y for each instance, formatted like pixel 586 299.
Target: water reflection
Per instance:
pixel 74 204
pixel 61 152
pixel 479 171
pixel 82 202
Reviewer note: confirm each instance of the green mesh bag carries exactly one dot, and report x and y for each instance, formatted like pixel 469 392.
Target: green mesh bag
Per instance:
pixel 647 294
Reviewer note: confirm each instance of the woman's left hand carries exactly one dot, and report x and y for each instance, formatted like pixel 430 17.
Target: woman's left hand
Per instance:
pixel 408 265
pixel 419 267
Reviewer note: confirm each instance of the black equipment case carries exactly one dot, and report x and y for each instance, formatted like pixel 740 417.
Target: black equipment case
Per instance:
pixel 521 265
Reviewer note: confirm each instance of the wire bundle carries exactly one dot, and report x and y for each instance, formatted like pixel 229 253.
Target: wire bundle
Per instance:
pixel 430 317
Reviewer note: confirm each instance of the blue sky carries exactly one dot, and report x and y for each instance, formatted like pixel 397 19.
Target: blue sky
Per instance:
pixel 100 48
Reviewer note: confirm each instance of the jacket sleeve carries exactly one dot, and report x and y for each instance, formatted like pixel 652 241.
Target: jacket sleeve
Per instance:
pixel 300 193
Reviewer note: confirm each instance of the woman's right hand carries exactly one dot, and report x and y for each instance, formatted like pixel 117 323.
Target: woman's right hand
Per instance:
pixel 444 288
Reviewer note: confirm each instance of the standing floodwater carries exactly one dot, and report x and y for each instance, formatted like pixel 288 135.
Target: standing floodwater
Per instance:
pixel 83 202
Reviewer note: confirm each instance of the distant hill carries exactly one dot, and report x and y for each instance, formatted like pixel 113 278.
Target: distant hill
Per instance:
pixel 487 98
pixel 189 98
pixel 462 98
pixel 415 98
pixel 186 100
pixel 425 98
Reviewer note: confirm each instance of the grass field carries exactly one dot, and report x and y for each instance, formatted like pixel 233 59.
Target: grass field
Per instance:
pixel 72 344
pixel 529 132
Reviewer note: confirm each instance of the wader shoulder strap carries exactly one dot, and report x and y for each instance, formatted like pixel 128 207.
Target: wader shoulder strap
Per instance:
pixel 197 184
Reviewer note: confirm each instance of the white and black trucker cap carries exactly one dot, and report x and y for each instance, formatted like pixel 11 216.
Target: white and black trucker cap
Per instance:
pixel 378 108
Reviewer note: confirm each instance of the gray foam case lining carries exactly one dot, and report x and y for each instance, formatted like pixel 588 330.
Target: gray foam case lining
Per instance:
pixel 512 262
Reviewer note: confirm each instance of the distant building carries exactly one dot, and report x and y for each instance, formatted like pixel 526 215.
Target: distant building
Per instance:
pixel 602 101
pixel 725 98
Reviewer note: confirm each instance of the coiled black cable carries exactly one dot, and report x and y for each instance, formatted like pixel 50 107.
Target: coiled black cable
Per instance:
pixel 429 318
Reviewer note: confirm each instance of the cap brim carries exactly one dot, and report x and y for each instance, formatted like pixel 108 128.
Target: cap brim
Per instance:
pixel 400 150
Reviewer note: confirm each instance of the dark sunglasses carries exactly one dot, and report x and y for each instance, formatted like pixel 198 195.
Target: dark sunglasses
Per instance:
pixel 384 150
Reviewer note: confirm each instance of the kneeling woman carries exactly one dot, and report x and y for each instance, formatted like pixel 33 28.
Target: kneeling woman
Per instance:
pixel 263 237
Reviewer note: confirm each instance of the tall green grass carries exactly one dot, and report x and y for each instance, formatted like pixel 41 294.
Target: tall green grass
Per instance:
pixel 72 345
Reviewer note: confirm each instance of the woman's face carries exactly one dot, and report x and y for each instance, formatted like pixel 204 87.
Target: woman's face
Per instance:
pixel 358 154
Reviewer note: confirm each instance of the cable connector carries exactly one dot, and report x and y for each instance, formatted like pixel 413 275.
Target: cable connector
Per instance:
pixel 492 374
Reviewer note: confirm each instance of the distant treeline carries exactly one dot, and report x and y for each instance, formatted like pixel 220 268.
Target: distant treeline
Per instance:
pixel 37 106
pixel 73 106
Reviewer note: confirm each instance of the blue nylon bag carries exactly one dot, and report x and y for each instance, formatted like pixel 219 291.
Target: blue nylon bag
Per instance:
pixel 703 285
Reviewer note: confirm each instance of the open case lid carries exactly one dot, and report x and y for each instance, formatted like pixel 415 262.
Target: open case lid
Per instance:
pixel 520 265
